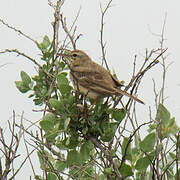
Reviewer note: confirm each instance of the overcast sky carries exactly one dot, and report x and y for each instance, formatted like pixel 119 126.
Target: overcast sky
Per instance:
pixel 128 31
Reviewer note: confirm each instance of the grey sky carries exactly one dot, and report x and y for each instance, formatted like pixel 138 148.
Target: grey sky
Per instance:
pixel 126 33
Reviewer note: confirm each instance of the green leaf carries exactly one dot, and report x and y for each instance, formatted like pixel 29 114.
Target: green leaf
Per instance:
pixel 26 80
pixel 167 124
pixel 61 144
pixel 47 125
pixel 38 177
pixel 109 130
pixel 58 105
pixel 65 89
pixel 113 152
pixel 126 170
pixel 41 160
pixel 62 79
pixel 126 149
pixel 172 155
pixel 142 164
pixel 51 135
pixel 50 117
pixel 37 101
pixel 45 44
pixel 43 156
pixel 63 84
pixel 172 127
pixel 31 95
pixel 152 127
pixel 136 140
pixel 73 157
pixel 60 165
pixel 108 171
pixel 61 122
pixel 51 176
pixel 163 114
pixel 102 177
pixel 85 150
pixel 20 86
pixel 147 145
pixel 89 170
pixel 24 85
pixel 72 141
pixel 62 65
pixel 118 114
pixel 135 154
pixel 51 126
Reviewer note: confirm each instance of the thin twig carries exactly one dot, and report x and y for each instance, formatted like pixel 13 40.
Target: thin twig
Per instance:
pixel 17 30
pixel 68 31
pixel 107 154
pixel 26 56
pixel 135 81
pixel 177 155
pixel 130 139
pixel 103 12
pixel 55 41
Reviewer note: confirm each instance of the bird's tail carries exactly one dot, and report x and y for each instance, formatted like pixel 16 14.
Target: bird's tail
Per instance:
pixel 129 95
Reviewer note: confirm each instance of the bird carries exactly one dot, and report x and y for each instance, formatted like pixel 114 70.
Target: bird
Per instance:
pixel 91 78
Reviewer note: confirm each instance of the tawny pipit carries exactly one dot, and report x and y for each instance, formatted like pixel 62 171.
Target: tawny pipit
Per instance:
pixel 92 79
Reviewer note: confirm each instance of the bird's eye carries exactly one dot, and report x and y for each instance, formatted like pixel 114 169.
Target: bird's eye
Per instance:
pixel 74 55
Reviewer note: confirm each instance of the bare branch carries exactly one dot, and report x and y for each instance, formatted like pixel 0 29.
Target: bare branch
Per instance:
pixel 177 155
pixel 130 139
pixel 57 8
pixel 136 79
pixel 10 150
pixel 64 26
pixel 103 44
pixel 26 56
pixel 107 154
pixel 17 30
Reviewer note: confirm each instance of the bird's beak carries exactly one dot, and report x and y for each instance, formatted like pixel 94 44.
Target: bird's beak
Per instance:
pixel 66 57
pixel 63 55
pixel 66 53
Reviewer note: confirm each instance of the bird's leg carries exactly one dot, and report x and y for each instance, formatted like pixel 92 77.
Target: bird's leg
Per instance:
pixel 84 102
pixel 106 102
pixel 93 105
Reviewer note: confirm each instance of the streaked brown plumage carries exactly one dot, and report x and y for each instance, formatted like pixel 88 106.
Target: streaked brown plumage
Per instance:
pixel 91 78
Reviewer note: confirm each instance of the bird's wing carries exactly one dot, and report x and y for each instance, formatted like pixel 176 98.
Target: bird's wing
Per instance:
pixel 117 82
pixel 94 81
pixel 99 80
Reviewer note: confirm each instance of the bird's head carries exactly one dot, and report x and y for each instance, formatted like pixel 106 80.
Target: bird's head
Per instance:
pixel 76 57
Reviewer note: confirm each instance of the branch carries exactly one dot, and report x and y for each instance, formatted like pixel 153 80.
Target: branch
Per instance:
pixel 17 30
pixel 10 149
pixel 177 155
pixel 26 56
pixel 103 12
pixel 107 155
pixel 142 71
pixel 68 31
pixel 130 139
pixel 136 79
pixel 56 25
pixel 64 26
